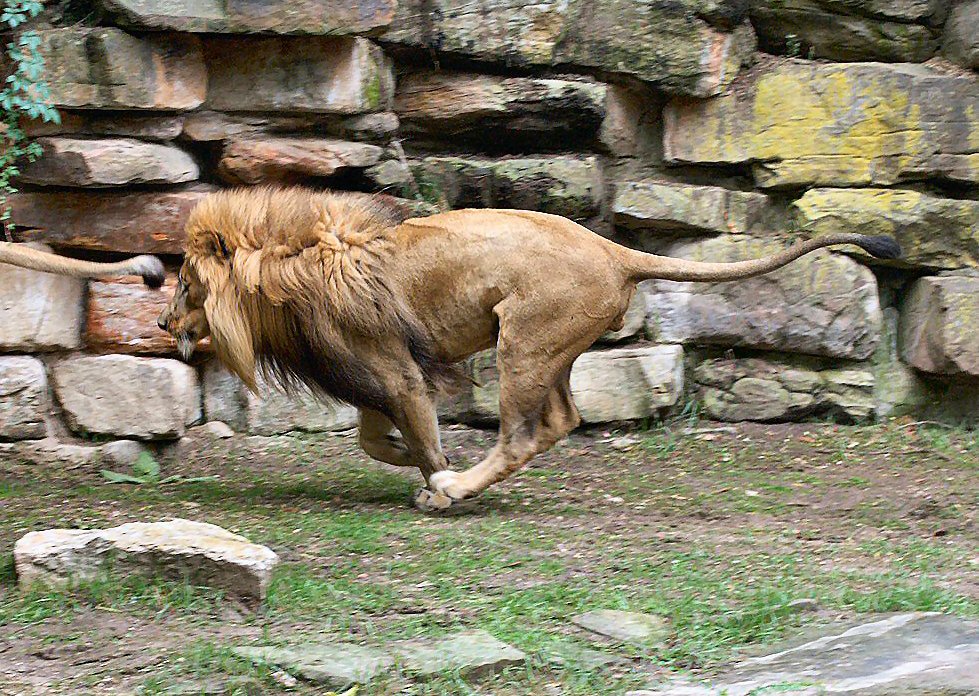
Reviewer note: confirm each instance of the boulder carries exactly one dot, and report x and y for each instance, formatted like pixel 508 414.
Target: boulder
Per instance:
pixel 685 47
pixel 499 111
pixel 568 186
pixel 607 385
pixel 961 38
pixel 115 162
pixel 40 311
pixel 848 30
pixel 907 653
pixel 314 17
pixel 177 549
pixel 293 74
pixel 939 329
pixel 783 389
pixel 821 304
pixel 270 412
pixel 799 123
pixel 133 222
pixel 121 318
pixel 633 128
pixel 933 232
pixel 106 68
pixel 684 208
pixel 122 124
pixel 258 160
pixel 126 396
pixel 23 398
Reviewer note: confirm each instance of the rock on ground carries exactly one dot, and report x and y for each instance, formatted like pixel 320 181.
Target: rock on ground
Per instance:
pixel 126 396
pixel 178 549
pixel 916 653
pixel 23 397
pixel 339 665
pixel 40 311
pixel 821 304
pixel 626 626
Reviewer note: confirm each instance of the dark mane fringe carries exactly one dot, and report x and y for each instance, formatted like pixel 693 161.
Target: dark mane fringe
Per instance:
pixel 305 272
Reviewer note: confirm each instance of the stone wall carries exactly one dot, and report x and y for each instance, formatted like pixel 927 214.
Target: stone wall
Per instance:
pixel 707 130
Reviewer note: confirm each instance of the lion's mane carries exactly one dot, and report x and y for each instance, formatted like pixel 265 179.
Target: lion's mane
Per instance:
pixel 294 279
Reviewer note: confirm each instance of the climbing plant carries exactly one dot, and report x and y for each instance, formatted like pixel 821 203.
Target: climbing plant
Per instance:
pixel 23 95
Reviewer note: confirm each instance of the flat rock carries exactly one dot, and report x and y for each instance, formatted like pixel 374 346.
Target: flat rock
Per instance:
pixel 340 665
pixel 178 549
pixel 933 232
pixel 685 47
pixel 626 626
pixel 491 109
pixel 253 161
pixel 685 208
pixel 961 38
pixel 270 412
pixel 318 75
pixel 563 185
pixel 822 304
pixel 939 325
pixel 106 68
pixel 23 397
pixel 759 389
pixel 312 17
pixel 41 311
pixel 917 653
pixel 120 123
pixel 851 30
pixel 133 222
pixel 127 396
pixel 108 162
pixel 801 123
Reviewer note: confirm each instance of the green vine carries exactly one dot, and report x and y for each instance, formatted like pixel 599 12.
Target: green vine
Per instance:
pixel 24 95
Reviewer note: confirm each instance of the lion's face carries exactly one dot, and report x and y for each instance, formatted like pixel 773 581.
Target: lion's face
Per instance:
pixel 184 317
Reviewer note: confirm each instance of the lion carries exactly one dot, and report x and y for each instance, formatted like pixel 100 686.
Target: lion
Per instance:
pixel 149 267
pixel 343 295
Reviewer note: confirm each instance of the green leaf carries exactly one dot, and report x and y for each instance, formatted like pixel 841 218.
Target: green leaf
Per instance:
pixel 146 466
pixel 116 477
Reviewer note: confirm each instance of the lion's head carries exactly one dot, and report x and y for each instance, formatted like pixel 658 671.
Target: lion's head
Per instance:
pixel 184 317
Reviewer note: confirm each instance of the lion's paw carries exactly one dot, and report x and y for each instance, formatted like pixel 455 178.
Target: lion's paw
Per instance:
pixel 435 503
pixel 449 483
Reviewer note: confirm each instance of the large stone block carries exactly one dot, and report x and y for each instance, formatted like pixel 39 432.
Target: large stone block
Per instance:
pixel 110 162
pixel 822 304
pixel 319 17
pixel 319 75
pixel 23 398
pixel 258 160
pixel 121 318
pixel 757 389
pixel 672 207
pixel 106 68
pixel 270 412
pixel 961 34
pixel 685 47
pixel 939 330
pixel 126 396
pixel 39 311
pixel 607 385
pixel 134 222
pixel 125 124
pixel 568 186
pixel 933 232
pixel 799 123
pixel 495 110
pixel 846 30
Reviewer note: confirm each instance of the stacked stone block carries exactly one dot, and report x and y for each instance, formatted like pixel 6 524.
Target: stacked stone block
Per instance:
pixel 660 125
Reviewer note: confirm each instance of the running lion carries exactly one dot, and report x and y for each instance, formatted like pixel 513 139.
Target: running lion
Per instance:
pixel 339 293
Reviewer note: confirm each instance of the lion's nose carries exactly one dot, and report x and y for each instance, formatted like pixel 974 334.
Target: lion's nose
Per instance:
pixel 162 323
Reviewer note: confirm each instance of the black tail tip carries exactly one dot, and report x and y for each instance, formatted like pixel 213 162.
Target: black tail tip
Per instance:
pixel 881 247
pixel 151 270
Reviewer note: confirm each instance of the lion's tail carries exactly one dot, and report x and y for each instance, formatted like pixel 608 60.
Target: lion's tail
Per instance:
pixel 642 266
pixel 149 267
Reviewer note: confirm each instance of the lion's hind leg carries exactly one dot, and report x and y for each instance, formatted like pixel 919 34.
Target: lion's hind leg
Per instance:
pixel 376 436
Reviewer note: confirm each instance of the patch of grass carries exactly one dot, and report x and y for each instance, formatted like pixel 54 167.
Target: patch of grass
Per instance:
pixel 8 575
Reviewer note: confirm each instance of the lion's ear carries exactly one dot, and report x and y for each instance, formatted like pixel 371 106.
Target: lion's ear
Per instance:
pixel 216 246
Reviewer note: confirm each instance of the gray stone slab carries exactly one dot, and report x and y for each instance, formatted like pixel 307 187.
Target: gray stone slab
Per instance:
pixel 626 626
pixel 336 665
pixel 473 653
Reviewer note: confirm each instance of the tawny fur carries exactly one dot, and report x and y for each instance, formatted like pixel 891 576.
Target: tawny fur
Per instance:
pixel 339 293
pixel 41 259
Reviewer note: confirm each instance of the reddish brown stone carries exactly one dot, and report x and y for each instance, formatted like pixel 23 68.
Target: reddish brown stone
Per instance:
pixel 122 317
pixel 276 159
pixel 130 222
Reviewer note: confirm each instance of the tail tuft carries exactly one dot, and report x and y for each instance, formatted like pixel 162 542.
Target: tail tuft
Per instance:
pixel 151 269
pixel 881 247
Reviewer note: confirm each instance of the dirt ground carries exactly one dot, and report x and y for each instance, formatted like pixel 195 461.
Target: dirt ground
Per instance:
pixel 715 527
